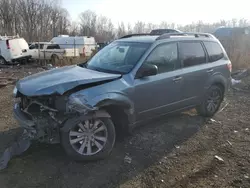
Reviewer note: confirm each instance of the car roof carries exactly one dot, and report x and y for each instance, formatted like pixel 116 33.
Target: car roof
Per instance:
pixel 144 39
pixel 152 39
pixel 167 37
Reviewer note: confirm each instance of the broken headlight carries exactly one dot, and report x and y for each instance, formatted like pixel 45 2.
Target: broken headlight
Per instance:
pixel 79 104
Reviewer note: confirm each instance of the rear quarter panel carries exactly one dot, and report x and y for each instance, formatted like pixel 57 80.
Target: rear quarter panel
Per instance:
pixel 71 52
pixel 221 74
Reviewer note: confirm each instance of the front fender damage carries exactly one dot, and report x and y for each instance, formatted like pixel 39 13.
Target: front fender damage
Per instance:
pixel 79 102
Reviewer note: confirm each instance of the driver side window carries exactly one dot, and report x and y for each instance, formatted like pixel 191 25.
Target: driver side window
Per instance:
pixel 165 57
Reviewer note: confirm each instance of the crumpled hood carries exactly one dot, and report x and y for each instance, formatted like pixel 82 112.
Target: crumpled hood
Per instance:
pixel 60 80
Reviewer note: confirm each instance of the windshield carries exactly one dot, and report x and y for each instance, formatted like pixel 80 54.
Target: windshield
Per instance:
pixel 118 57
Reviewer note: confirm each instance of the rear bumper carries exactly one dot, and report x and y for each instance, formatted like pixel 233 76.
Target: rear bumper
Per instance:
pixel 22 118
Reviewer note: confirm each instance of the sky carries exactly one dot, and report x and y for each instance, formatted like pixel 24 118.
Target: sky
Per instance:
pixel 155 11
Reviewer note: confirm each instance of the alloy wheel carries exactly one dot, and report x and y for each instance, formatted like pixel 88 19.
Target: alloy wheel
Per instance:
pixel 214 100
pixel 88 137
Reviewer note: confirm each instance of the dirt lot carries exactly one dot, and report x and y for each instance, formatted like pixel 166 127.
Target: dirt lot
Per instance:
pixel 168 152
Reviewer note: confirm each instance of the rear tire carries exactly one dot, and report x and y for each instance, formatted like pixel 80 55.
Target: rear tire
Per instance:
pixel 101 142
pixel 2 61
pixel 212 101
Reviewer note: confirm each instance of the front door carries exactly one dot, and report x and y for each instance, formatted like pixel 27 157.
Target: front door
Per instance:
pixel 159 94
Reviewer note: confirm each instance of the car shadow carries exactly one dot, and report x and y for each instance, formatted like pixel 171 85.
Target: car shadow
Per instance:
pixel 48 166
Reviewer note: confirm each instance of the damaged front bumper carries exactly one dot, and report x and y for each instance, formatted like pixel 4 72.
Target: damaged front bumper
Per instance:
pixel 22 118
pixel 41 131
pixel 24 121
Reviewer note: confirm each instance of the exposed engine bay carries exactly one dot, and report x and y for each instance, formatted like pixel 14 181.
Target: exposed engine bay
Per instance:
pixel 47 113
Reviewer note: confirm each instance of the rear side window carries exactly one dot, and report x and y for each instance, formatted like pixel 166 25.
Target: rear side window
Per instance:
pixel 192 53
pixel 36 46
pixel 214 51
pixel 53 46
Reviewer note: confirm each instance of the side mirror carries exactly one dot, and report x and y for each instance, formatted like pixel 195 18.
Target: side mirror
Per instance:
pixel 146 70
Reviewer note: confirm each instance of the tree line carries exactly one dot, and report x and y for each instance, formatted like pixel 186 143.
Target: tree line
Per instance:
pixel 41 20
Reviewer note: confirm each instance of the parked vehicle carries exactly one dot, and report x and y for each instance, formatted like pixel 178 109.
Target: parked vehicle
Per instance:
pixel 13 49
pixel 130 81
pixel 101 45
pixel 50 51
pixel 86 45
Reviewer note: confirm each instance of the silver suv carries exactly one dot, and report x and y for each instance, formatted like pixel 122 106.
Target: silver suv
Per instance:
pixel 132 80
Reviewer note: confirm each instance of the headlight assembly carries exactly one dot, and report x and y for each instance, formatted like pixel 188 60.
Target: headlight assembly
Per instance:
pixel 78 103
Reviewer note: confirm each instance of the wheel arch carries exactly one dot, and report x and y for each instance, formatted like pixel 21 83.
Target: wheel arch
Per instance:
pixel 54 56
pixel 218 80
pixel 114 105
pixel 3 58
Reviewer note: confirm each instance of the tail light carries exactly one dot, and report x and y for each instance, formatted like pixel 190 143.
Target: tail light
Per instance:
pixel 229 66
pixel 8 44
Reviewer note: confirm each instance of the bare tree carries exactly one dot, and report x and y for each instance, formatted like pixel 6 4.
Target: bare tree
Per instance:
pixel 121 31
pixel 140 27
pixel 43 19
pixel 88 23
pixel 33 19
pixel 7 16
pixel 129 29
pixel 74 29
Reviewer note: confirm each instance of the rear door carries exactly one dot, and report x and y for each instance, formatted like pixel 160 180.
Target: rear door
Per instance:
pixel 195 71
pixel 18 47
pixel 14 48
pixel 217 61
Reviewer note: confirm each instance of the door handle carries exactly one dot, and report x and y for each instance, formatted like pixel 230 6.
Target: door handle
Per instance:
pixel 210 70
pixel 178 78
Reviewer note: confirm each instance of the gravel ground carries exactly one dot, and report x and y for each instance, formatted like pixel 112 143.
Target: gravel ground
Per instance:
pixel 176 151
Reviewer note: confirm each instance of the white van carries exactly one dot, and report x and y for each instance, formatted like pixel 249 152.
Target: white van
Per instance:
pixel 13 49
pixel 86 45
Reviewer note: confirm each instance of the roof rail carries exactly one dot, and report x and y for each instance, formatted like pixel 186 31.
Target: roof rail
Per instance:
pixel 8 37
pixel 134 35
pixel 195 34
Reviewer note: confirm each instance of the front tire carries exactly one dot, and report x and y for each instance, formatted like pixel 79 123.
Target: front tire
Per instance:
pixel 92 139
pixel 212 101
